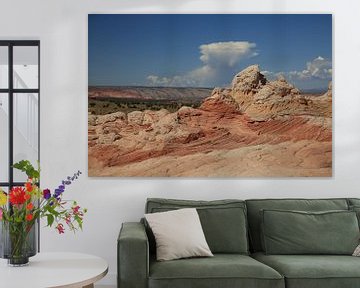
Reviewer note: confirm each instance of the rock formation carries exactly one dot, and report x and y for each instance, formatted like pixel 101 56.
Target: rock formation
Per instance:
pixel 254 128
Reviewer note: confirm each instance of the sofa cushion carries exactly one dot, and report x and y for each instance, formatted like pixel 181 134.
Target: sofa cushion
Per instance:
pixel 297 232
pixel 313 271
pixel 353 201
pixel 223 221
pixel 255 206
pixel 222 270
pixel 356 209
pixel 354 205
pixel 178 234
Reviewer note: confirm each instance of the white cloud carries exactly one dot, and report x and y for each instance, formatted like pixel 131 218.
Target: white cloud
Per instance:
pixel 319 68
pixel 226 53
pixel 267 73
pixel 175 81
pixel 219 59
pixel 317 74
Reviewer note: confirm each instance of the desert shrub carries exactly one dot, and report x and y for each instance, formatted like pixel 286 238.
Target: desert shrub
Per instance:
pixel 111 105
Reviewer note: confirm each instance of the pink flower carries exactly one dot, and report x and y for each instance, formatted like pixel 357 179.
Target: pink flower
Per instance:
pixel 68 219
pixel 76 210
pixel 60 228
pixel 1 212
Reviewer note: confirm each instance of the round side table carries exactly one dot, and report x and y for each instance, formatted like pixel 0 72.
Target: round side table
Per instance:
pixel 50 270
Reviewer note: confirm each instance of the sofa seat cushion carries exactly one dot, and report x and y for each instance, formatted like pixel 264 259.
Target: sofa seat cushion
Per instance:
pixel 222 270
pixel 313 271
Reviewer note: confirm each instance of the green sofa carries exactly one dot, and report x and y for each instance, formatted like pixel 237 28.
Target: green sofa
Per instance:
pixel 233 230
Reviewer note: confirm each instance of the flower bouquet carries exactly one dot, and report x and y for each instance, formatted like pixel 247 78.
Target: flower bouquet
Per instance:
pixel 21 208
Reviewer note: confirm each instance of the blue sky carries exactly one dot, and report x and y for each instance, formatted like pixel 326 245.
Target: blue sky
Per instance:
pixel 208 50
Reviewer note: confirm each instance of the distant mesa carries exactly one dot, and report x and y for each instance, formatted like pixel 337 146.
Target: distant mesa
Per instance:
pixel 148 93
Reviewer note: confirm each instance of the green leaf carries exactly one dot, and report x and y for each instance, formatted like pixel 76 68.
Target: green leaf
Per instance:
pixel 26 167
pixel 50 219
pixel 79 221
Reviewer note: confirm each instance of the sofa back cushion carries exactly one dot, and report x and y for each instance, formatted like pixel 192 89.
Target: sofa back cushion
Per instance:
pixel 298 232
pixel 354 205
pixel 223 221
pixel 353 201
pixel 255 206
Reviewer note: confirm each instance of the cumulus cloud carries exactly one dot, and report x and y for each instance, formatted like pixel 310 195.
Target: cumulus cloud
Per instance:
pixel 319 68
pixel 154 80
pixel 267 73
pixel 218 60
pixel 317 74
pixel 226 53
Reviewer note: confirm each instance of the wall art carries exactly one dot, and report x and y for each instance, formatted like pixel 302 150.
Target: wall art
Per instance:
pixel 207 95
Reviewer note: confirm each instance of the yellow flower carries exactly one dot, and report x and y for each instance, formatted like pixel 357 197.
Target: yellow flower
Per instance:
pixel 3 198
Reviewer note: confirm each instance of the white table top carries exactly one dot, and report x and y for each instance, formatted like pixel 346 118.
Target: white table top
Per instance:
pixel 45 270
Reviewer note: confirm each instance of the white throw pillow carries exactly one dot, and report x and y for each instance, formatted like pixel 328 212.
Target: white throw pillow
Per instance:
pixel 357 251
pixel 178 234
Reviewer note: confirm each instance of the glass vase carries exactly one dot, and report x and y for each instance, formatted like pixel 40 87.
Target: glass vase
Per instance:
pixel 18 242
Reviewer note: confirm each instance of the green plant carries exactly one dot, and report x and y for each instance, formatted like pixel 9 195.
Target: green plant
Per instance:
pixel 24 205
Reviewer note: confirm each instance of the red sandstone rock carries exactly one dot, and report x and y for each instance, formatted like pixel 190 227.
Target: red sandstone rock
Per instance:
pixel 254 128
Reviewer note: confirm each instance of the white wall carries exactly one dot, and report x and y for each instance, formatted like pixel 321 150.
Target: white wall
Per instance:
pixel 62 28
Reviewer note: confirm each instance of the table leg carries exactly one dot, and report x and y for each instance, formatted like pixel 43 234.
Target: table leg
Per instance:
pixel 89 286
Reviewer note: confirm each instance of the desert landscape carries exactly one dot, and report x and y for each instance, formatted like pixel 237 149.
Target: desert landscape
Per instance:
pixel 253 128
pixel 105 100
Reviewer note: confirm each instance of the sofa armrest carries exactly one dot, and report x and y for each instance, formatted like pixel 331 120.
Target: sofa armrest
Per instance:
pixel 133 256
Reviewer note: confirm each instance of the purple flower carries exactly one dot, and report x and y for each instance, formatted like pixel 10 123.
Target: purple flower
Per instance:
pixel 64 183
pixel 57 193
pixel 46 194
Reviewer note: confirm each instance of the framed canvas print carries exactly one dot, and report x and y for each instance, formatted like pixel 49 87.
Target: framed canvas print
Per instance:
pixel 210 95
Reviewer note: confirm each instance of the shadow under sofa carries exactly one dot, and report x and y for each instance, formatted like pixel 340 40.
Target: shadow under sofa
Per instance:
pixel 232 229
